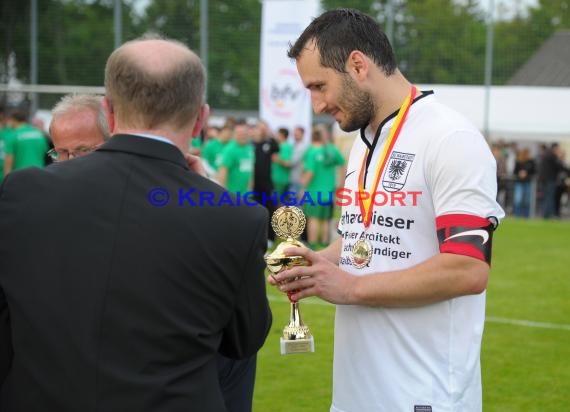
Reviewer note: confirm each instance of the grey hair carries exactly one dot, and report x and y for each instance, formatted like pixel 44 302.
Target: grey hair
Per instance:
pixel 76 102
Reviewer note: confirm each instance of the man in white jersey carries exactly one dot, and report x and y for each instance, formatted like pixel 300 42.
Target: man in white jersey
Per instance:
pixel 410 268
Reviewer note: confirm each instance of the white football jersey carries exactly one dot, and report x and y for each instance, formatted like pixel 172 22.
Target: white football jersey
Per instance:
pixel 425 358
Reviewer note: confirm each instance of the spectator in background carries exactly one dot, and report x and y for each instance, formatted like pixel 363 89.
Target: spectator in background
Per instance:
pixel 510 151
pixel 211 132
pixel 265 148
pixel 548 170
pixel 561 182
pixel 282 162
pixel 300 146
pixel 39 124
pixel 26 145
pixel 332 148
pixel 232 122
pixel 78 126
pixel 235 172
pixel 214 147
pixel 337 166
pixel 319 180
pixel 524 172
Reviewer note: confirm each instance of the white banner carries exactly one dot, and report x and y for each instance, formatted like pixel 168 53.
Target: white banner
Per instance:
pixel 283 101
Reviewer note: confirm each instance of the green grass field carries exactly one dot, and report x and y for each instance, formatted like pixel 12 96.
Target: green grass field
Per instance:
pixel 526 344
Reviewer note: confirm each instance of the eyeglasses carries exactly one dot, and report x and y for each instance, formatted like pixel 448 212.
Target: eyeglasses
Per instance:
pixel 60 155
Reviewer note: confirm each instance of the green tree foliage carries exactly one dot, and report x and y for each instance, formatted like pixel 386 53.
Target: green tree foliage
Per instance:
pixel 549 16
pixel 74 40
pixel 436 41
pixel 175 19
pixel 512 47
pixel 443 42
pixel 233 52
pixel 14 36
pixel 74 43
pixel 365 6
pixel 516 39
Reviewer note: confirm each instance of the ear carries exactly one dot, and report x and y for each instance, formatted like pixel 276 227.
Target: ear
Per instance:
pixel 109 114
pixel 357 64
pixel 201 120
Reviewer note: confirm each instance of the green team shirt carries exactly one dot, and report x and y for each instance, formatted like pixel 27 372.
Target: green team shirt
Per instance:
pixel 220 154
pixel 196 143
pixel 212 149
pixel 28 145
pixel 322 162
pixel 279 173
pixel 238 159
pixel 5 134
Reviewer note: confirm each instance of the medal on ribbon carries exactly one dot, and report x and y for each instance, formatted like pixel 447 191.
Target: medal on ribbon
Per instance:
pixel 362 249
pixel 361 253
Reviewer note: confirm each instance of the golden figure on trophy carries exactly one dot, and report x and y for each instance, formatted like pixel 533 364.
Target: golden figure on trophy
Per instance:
pixel 288 222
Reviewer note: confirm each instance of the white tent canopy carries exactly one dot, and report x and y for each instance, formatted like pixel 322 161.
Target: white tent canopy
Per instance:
pixel 516 113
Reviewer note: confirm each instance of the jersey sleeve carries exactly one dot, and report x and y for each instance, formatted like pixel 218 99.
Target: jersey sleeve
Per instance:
pixel 462 177
pixel 461 173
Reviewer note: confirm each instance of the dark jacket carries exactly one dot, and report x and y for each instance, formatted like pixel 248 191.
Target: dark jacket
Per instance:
pixel 115 304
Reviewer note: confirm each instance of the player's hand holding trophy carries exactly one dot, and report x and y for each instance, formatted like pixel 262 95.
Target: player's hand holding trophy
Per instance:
pixel 288 222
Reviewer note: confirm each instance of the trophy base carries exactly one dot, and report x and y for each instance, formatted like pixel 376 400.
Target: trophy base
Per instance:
pixel 289 347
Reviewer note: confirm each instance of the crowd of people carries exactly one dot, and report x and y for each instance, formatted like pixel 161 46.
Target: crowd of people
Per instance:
pixel 533 179
pixel 242 157
pixel 278 170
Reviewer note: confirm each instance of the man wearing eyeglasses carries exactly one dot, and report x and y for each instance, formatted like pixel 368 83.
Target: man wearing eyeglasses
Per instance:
pixel 78 126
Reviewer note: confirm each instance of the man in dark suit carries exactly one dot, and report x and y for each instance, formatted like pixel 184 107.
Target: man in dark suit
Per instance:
pixel 143 283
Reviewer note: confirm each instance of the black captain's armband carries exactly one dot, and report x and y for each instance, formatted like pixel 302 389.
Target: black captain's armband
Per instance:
pixel 466 235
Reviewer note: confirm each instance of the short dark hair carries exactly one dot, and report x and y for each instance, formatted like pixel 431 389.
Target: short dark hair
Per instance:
pixel 18 113
pixel 316 136
pixel 339 32
pixel 284 131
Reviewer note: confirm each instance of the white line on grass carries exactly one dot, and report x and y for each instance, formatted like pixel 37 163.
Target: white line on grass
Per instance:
pixel 492 319
pixel 528 323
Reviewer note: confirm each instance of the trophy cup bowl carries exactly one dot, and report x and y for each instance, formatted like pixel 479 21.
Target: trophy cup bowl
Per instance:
pixel 277 260
pixel 288 223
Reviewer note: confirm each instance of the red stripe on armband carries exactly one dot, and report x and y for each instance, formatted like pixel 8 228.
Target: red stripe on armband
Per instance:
pixel 466 235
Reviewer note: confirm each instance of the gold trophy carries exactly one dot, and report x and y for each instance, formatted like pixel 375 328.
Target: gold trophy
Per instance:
pixel 288 222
